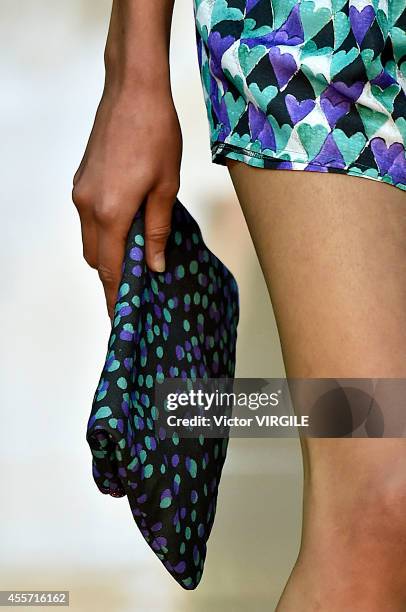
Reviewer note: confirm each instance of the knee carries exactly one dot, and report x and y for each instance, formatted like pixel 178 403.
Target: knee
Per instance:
pixel 357 497
pixel 386 506
pixel 376 550
pixel 376 530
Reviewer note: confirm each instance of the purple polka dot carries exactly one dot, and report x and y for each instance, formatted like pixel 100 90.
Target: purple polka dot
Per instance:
pixel 156 527
pixel 136 254
pixel 180 567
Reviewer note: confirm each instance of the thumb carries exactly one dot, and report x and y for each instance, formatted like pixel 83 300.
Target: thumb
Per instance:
pixel 158 217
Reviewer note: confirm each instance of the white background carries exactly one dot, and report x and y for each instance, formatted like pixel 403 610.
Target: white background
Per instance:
pixel 57 530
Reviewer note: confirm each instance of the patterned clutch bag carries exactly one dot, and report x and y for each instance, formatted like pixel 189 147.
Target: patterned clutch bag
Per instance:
pixel 178 324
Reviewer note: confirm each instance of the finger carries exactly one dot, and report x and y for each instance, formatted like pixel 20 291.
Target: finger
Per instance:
pixel 76 176
pixel 110 248
pixel 158 216
pixel 89 241
pixel 88 226
pixel 78 172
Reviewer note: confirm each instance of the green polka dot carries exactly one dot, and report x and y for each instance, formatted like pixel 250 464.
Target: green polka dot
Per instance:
pixel 139 240
pixel 154 286
pixel 149 381
pixel 165 502
pixel 148 470
pixel 193 266
pixel 180 271
pixel 103 412
pixel 133 464
pixel 122 383
pixel 124 289
pixel 192 468
pixel 186 325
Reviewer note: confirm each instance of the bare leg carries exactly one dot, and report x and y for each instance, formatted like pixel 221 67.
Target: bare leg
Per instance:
pixel 333 252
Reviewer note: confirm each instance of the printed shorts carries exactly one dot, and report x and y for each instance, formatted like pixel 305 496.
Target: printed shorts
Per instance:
pixel 316 85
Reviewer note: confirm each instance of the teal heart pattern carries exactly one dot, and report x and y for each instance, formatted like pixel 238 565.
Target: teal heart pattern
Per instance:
pixel 306 84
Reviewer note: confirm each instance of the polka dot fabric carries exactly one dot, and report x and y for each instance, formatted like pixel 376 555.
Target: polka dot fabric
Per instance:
pixel 178 324
pixel 315 85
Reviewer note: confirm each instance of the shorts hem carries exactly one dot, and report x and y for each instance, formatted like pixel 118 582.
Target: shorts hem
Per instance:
pixel 221 151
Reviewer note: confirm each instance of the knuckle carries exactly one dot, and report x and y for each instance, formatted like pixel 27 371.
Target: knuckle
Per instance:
pixel 106 275
pixel 158 233
pixel 168 189
pixel 81 197
pixel 106 214
pixel 76 175
pixel 90 259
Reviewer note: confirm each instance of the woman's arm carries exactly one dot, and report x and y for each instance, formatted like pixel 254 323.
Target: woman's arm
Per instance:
pixel 135 146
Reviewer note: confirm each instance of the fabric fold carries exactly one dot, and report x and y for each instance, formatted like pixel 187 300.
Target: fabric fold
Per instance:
pixel 178 324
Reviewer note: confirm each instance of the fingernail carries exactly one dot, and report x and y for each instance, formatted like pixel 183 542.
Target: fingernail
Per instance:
pixel 159 262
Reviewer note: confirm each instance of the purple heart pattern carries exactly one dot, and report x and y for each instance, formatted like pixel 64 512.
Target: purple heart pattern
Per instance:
pixel 316 85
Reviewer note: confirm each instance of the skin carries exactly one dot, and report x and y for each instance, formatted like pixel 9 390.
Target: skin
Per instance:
pixel 333 253
pixel 126 160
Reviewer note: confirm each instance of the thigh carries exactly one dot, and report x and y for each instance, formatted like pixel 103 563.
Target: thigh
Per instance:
pixel 333 252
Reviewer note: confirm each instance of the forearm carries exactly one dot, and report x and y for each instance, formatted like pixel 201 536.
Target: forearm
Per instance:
pixel 137 48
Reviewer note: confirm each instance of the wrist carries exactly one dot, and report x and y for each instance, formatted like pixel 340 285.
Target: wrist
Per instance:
pixel 125 79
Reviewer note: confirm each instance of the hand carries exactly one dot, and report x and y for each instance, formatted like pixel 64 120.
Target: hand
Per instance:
pixel 133 155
